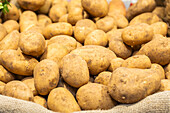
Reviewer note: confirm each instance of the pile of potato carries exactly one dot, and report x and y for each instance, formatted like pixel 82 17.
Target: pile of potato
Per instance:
pixel 83 54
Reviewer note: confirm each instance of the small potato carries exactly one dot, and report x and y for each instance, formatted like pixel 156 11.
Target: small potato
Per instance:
pixel 167 71
pixel 10 41
pixel 83 28
pixel 148 18
pixel 19 90
pixel 94 96
pixel 160 28
pixel 5 76
pixel 106 24
pixel 96 37
pixel 61 2
pixel 122 89
pixel 46 7
pixel 2 85
pixel 32 43
pixel 61 28
pixel 29 81
pixel 74 70
pixel 46 76
pixel 17 63
pixel 3 32
pixel 159 69
pixel 116 44
pixel 69 42
pixel 116 63
pixel 137 34
pixel 159 11
pixel 103 78
pixel 41 101
pixel 140 7
pixel 55 52
pixel 165 85
pixel 57 102
pixel 137 61
pixel 13 13
pixel 96 8
pixel 56 12
pixel 43 20
pixel 32 5
pixel 64 18
pixel 11 25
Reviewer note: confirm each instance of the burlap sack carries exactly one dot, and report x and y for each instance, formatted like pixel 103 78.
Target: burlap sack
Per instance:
pixel 156 103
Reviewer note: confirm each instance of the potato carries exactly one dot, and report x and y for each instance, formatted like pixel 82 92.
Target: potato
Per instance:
pixel 2 85
pixel 13 13
pixel 103 78
pixel 61 28
pixel 137 34
pixel 79 44
pixel 159 11
pixel 159 70
pixel 17 63
pixel 61 2
pixel 32 43
pixel 116 44
pixel 19 90
pixel 19 77
pixel 158 50
pixel 46 76
pixel 56 12
pixel 137 61
pixel 96 37
pixel 11 25
pixel 69 42
pixel 106 24
pixel 43 20
pixel 83 28
pixel 32 5
pixel 55 52
pixel 167 71
pixel 117 7
pixel 98 58
pixel 3 32
pixel 29 81
pixel 10 41
pixel 5 76
pixel 96 8
pixel 140 7
pixel 57 102
pixel 41 101
pixel 116 63
pixel 63 18
pixel 148 18
pixel 94 96
pixel 165 85
pixel 122 88
pixel 160 28
pixel 46 7
pixel 70 65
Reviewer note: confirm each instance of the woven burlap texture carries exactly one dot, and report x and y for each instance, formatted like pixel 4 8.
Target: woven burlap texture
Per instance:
pixel 156 103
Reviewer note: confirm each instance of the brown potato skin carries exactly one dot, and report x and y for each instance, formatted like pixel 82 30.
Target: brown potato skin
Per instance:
pixel 46 7
pixel 43 20
pixel 83 28
pixel 19 90
pixel 29 81
pixel 140 7
pixel 159 70
pixel 56 103
pixel 116 63
pixel 17 63
pixel 106 24
pixel 160 28
pixel 137 34
pixel 96 8
pixel 167 71
pixel 41 101
pixel 11 25
pixel 10 41
pixel 137 61
pixel 74 70
pixel 122 88
pixel 63 18
pixel 46 76
pixel 93 96
pixel 159 11
pixel 96 37
pixel 3 32
pixel 54 29
pixel 5 76
pixel 103 78
pixel 32 5
pixel 2 85
pixel 165 85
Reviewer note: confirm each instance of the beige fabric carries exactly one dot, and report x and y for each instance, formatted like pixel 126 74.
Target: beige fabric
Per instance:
pixel 156 103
